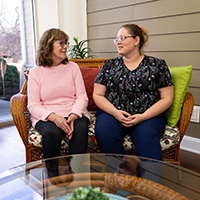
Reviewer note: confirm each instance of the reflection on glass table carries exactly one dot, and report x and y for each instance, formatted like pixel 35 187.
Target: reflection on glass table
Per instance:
pixel 120 176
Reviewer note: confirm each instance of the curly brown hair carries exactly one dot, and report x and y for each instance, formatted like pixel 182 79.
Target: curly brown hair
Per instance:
pixel 44 52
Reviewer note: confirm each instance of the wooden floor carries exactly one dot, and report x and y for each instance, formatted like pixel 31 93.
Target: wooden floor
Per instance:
pixel 190 160
pixel 12 151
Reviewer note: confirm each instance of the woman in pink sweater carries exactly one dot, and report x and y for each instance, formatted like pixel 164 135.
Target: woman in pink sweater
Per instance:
pixel 57 99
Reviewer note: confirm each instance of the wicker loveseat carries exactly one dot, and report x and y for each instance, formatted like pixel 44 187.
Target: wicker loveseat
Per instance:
pixel 90 68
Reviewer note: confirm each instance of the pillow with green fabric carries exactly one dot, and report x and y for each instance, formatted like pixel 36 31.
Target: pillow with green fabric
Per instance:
pixel 181 77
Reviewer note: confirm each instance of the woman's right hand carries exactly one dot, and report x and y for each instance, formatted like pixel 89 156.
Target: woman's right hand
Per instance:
pixel 121 115
pixel 61 122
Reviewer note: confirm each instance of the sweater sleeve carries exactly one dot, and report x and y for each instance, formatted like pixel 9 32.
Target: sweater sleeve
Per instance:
pixel 35 106
pixel 81 99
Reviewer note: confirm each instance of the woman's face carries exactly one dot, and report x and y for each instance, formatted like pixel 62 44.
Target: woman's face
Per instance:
pixel 126 44
pixel 59 51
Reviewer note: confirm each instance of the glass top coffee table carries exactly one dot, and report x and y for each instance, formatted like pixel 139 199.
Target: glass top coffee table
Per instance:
pixel 119 176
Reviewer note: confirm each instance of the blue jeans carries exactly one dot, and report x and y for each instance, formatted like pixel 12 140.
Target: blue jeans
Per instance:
pixel 145 136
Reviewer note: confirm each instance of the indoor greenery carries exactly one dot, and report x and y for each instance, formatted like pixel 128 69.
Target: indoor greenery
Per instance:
pixel 88 193
pixel 79 50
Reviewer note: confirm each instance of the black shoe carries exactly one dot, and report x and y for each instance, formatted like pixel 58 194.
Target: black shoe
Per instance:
pixel 52 168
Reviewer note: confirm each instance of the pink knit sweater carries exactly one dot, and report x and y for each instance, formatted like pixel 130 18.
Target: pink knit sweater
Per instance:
pixel 58 89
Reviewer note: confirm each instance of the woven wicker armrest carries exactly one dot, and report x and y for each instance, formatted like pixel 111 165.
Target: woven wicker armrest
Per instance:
pixel 186 113
pixel 20 114
pixel 140 186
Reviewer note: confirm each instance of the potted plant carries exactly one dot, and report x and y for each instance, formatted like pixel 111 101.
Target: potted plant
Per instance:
pixel 79 50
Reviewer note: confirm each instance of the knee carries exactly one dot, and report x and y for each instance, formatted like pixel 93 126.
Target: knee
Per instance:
pixel 54 134
pixel 81 125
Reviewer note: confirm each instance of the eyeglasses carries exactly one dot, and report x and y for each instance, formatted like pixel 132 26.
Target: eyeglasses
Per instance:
pixel 122 38
pixel 62 43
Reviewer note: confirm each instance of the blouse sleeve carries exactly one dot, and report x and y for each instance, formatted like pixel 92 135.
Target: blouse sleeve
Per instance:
pixel 164 76
pixel 101 77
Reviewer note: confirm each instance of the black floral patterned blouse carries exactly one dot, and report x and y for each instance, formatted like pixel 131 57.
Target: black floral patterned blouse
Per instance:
pixel 134 91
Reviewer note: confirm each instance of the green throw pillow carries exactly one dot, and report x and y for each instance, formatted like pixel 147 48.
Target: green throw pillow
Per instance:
pixel 181 77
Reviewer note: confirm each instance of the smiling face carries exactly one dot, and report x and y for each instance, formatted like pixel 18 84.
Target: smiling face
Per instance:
pixel 59 51
pixel 52 48
pixel 129 45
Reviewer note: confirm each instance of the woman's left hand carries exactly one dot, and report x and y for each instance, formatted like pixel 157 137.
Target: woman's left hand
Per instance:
pixel 133 120
pixel 72 117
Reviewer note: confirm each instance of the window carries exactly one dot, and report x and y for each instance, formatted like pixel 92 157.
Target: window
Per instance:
pixel 10 54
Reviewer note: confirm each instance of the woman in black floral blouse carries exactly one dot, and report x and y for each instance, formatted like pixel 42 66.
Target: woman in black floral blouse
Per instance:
pixel 132 92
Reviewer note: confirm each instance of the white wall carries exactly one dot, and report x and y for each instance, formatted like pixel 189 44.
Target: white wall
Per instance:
pixel 68 15
pixel 72 18
pixel 46 16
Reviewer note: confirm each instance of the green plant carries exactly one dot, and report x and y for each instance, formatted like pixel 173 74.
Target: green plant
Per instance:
pixel 11 79
pixel 79 50
pixel 88 193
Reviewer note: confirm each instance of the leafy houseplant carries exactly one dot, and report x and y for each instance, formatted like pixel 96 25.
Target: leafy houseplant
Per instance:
pixel 88 193
pixel 79 50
